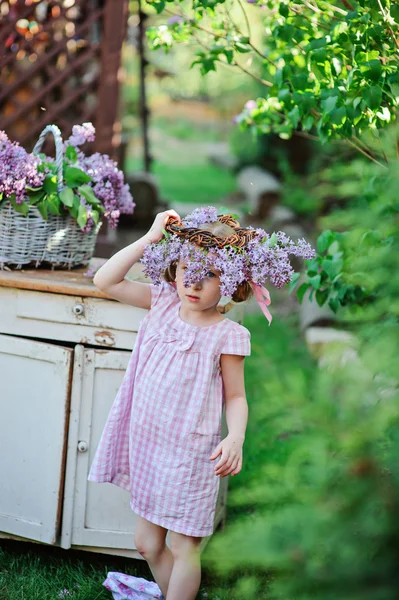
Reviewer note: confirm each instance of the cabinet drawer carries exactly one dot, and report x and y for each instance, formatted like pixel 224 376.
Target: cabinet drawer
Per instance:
pixel 78 319
pixel 95 312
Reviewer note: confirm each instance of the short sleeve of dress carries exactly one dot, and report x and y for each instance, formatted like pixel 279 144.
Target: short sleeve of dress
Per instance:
pixel 237 341
pixel 161 292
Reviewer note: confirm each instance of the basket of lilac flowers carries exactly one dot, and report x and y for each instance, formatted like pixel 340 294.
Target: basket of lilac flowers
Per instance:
pixel 51 209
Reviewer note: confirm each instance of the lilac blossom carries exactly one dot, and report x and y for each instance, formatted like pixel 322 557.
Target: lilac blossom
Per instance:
pixel 261 261
pixel 250 105
pixel 81 134
pixel 108 185
pixel 175 19
pixel 18 169
pixel 208 214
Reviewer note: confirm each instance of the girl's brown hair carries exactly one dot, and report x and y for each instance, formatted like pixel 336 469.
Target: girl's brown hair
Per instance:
pixel 222 230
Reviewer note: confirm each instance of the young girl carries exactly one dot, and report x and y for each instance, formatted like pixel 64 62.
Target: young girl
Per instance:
pixel 162 440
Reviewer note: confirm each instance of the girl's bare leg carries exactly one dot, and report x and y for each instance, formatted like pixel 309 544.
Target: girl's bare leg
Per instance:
pixel 150 542
pixel 186 573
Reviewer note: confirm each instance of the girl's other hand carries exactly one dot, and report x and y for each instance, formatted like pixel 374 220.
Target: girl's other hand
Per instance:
pixel 230 452
pixel 155 232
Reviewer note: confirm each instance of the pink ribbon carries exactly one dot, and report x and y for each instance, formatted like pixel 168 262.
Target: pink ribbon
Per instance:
pixel 263 299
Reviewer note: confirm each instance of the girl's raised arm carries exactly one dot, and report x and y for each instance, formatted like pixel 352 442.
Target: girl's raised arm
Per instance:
pixel 110 278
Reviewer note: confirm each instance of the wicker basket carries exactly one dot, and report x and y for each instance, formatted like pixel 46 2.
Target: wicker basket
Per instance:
pixel 31 240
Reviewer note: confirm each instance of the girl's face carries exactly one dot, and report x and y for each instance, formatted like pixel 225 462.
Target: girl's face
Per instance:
pixel 202 295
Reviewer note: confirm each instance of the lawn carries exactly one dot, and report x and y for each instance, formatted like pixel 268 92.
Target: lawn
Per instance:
pixel 279 359
pixel 197 183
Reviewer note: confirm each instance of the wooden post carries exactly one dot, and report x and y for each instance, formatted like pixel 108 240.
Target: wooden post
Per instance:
pixel 108 130
pixel 107 126
pixel 144 110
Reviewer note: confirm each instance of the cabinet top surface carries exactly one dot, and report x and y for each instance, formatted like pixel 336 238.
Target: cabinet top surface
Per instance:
pixel 61 281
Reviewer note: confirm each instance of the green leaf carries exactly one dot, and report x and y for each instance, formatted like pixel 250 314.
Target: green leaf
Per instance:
pixel 301 291
pixel 71 154
pixel 294 282
pixel 31 189
pixel 272 240
pixel 74 210
pixel 338 116
pixel 324 240
pixel 318 43
pixel 334 304
pixel 372 96
pixel 242 48
pixel 284 96
pixel 54 204
pixel 332 267
pixel 283 10
pixel 82 216
pixel 300 82
pixel 22 208
pixel 66 197
pixel 50 184
pixel 159 5
pixel 229 54
pixel 321 296
pixel 293 116
pixel 75 177
pixel 315 281
pixel 35 197
pixel 308 123
pixel 95 215
pixel 278 77
pixel 87 192
pixel 372 69
pixel 42 208
pixel 329 104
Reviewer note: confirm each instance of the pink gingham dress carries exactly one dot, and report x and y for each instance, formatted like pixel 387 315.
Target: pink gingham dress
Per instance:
pixel 166 418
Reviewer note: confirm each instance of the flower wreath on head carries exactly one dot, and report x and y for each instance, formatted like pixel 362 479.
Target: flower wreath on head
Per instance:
pixel 248 254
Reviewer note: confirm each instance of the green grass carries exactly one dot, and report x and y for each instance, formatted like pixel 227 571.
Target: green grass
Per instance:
pixel 278 368
pixel 278 361
pixel 186 129
pixel 194 183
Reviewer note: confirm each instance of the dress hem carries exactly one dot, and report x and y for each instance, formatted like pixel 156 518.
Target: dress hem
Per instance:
pixel 118 480
pixel 176 529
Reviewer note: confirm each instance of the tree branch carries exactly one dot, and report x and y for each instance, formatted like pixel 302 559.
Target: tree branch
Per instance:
pixel 359 149
pixel 388 25
pixel 246 18
pixel 299 13
pixel 259 79
pixel 347 5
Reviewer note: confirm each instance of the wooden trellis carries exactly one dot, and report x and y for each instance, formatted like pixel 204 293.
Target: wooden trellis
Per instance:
pixel 59 63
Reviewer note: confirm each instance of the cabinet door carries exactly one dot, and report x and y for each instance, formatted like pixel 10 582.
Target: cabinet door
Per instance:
pixel 96 515
pixel 34 401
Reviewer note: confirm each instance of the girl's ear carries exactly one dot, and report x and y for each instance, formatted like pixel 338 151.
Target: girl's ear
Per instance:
pixel 174 284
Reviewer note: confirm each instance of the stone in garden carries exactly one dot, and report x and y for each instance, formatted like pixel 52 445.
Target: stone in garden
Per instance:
pixel 332 347
pixel 311 314
pixel 280 215
pixel 261 189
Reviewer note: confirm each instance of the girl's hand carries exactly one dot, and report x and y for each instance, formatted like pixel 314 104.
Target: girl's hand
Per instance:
pixel 230 452
pixel 155 232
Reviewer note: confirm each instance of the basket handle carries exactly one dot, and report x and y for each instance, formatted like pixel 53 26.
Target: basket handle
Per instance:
pixel 58 151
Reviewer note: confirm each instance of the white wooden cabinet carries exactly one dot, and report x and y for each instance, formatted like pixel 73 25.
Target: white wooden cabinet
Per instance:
pixel 64 348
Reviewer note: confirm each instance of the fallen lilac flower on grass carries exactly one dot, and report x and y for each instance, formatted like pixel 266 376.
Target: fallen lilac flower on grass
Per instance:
pixel 128 587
